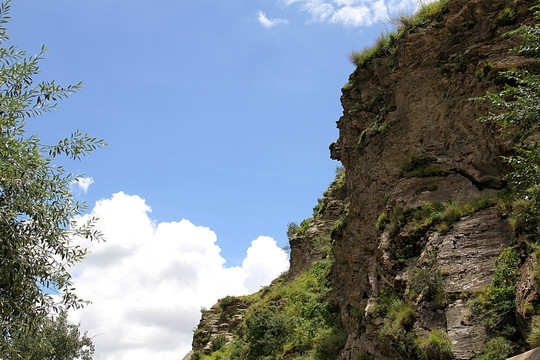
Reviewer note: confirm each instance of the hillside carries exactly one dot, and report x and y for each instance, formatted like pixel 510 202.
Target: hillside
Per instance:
pixel 412 252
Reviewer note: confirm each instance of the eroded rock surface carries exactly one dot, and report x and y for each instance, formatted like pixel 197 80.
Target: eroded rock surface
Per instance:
pixel 467 254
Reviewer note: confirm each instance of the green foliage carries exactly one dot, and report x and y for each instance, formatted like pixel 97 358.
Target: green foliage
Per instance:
pixel 407 226
pixel 323 244
pixel 227 307
pixel 497 348
pixel 197 355
pixel 428 15
pixel 292 229
pixel 331 343
pixel 54 338
pixel 385 44
pixel 301 313
pixel 516 114
pixel 336 185
pixel 393 220
pixel 227 302
pixel 506 17
pixel 427 281
pixel 266 332
pixel 517 119
pixel 304 225
pixel 339 181
pixel 431 215
pixel 218 342
pixel 530 35
pixel 397 324
pixel 420 166
pixel 201 336
pixel 36 206
pixel 534 335
pixel 495 305
pixel 436 346
pixel 383 302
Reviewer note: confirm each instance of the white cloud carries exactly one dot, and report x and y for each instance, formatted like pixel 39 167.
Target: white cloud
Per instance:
pixel 353 12
pixel 353 16
pixel 268 23
pixel 82 183
pixel 148 281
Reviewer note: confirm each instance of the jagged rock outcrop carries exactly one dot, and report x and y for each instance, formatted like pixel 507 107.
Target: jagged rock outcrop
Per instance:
pixel 305 244
pixel 219 324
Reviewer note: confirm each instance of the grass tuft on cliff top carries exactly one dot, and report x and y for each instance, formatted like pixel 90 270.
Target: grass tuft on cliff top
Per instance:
pixel 386 44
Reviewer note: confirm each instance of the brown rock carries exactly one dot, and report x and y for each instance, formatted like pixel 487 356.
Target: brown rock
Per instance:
pixel 415 192
pixel 527 296
pixel 467 340
pixel 467 254
pixel 529 355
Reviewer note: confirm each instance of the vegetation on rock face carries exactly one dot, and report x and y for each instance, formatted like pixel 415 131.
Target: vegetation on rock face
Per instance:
pixel 37 207
pixel 497 348
pixel 414 223
pixel 516 115
pixel 517 118
pixel 289 320
pixel 428 15
pixel 495 306
pixel 436 345
pixel 336 185
pixel 293 318
pixel 421 166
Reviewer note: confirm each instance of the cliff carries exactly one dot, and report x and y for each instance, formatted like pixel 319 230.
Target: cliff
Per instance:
pixel 410 253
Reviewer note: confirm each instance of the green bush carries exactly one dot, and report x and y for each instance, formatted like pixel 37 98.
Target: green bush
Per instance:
pixel 383 302
pixel 436 346
pixel 399 319
pixel 218 342
pixel 420 166
pixel 495 305
pixel 266 332
pixel 292 229
pixel 227 302
pixel 516 116
pixel 197 355
pixel 428 281
pixel 497 348
pixel 304 225
pixel 534 335
pixel 331 344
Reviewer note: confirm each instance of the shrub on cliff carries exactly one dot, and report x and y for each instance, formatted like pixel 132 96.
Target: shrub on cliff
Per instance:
pixel 266 332
pixel 516 114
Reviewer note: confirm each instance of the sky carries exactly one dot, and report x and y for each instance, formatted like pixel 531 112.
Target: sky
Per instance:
pixel 218 116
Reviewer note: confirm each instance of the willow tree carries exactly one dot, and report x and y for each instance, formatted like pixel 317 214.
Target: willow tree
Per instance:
pixel 37 207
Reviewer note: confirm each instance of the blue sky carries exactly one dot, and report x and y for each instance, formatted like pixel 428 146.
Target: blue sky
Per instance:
pixel 216 112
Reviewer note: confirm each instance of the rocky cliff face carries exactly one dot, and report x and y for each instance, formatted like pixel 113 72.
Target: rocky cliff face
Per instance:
pixel 409 136
pixel 418 239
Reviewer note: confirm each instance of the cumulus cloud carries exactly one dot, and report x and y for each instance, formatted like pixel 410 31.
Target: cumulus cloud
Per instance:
pixel 82 183
pixel 268 23
pixel 353 12
pixel 148 281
